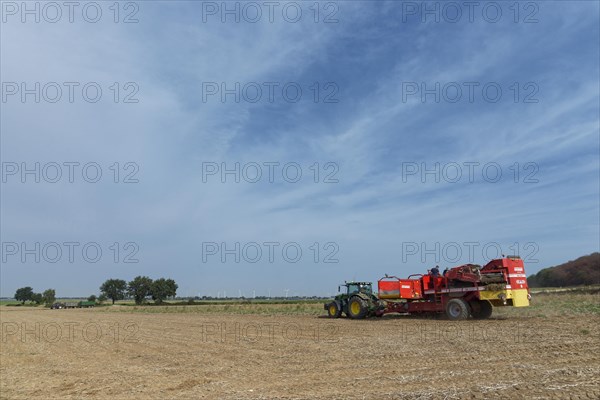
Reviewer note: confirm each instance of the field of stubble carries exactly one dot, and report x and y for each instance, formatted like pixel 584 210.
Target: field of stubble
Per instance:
pixel 549 350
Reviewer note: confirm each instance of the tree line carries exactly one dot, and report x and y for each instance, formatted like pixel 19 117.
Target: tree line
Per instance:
pixel 26 294
pixel 139 289
pixel 582 271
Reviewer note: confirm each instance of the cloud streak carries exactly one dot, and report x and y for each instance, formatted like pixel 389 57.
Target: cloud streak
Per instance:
pixel 371 134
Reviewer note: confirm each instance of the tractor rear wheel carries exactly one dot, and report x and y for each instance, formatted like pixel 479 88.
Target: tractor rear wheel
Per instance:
pixel 333 310
pixel 481 309
pixel 357 308
pixel 457 309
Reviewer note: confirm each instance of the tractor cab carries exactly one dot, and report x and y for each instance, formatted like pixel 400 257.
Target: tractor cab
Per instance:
pixel 358 287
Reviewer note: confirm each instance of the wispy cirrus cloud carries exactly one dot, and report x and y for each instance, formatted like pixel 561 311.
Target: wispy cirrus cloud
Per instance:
pixel 371 134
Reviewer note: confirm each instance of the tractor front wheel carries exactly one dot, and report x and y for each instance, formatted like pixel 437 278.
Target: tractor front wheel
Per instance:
pixel 481 309
pixel 333 310
pixel 357 308
pixel 457 309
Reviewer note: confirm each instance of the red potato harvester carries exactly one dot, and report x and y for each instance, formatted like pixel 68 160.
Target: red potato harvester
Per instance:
pixel 465 291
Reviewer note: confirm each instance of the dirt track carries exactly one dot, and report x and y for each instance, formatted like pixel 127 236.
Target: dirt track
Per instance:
pixel 94 354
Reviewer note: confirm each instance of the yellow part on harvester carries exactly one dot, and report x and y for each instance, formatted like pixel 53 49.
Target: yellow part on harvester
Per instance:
pixel 519 297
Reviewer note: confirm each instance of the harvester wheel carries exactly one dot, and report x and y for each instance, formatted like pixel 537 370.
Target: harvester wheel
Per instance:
pixel 481 309
pixel 357 308
pixel 457 309
pixel 333 310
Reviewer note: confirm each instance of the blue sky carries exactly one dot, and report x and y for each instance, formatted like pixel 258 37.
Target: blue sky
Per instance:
pixel 376 219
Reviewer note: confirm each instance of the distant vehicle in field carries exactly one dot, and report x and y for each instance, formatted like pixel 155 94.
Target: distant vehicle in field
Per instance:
pixel 73 304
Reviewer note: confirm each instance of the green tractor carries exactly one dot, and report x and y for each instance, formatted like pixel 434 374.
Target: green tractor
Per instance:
pixel 357 301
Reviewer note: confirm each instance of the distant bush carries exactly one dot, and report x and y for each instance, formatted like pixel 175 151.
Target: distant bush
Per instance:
pixel 49 297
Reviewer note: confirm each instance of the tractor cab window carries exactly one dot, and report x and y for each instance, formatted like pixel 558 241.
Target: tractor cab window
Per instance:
pixel 365 289
pixel 359 287
pixel 353 288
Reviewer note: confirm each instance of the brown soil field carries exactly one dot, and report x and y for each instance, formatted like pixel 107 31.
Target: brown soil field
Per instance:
pixel 119 353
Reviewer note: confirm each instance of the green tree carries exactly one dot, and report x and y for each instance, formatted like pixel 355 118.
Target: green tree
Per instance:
pixel 114 289
pixel 24 294
pixel 92 298
pixel 49 297
pixel 37 298
pixel 102 298
pixel 163 288
pixel 139 288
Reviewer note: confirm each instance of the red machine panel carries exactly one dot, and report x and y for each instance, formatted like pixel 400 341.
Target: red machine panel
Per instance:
pixel 395 288
pixel 513 270
pixel 416 291
pixel 516 273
